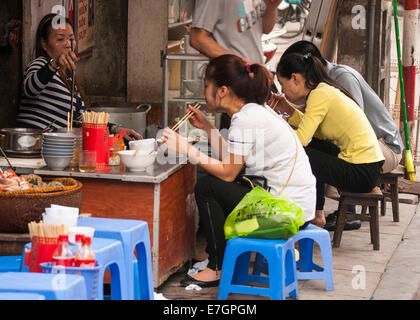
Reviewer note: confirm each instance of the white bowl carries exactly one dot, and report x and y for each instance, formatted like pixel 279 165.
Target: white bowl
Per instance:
pixel 86 231
pixel 144 146
pixel 136 163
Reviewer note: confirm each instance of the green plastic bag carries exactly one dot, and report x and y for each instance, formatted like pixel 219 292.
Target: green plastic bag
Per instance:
pixel 261 215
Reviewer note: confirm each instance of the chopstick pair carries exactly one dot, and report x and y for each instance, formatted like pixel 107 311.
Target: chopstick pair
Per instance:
pixel 185 118
pixel 274 103
pixel 70 122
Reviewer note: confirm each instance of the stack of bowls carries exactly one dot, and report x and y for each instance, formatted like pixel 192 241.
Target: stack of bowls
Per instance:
pixel 58 149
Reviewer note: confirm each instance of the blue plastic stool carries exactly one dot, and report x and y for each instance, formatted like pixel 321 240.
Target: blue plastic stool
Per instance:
pixel 11 264
pixel 20 296
pixel 109 254
pixel 306 266
pixel 134 234
pixel 280 255
pixel 51 286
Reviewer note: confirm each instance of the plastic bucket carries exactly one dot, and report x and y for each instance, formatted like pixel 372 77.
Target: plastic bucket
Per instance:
pixel 42 251
pixel 95 138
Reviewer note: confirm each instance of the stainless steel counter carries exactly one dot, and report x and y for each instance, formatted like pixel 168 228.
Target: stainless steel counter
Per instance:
pixel 156 173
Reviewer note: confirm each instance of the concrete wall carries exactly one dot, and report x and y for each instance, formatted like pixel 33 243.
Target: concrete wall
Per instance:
pixel 147 37
pixel 10 67
pixel 352 53
pixel 355 52
pixel 104 74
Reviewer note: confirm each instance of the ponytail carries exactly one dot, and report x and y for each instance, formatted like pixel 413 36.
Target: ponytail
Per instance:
pixel 249 82
pixel 310 67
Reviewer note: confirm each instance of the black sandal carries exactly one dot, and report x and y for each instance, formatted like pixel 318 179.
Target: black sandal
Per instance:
pixel 188 280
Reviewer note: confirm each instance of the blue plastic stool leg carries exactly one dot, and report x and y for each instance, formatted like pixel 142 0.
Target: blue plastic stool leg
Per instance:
pixel 328 267
pixel 277 278
pixel 145 274
pixel 290 272
pixel 240 275
pixel 228 269
pixel 306 249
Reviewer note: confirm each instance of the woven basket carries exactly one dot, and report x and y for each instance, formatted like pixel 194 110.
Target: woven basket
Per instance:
pixel 19 208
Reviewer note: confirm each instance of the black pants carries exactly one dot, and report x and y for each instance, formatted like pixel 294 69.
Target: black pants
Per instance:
pixel 216 199
pixel 345 176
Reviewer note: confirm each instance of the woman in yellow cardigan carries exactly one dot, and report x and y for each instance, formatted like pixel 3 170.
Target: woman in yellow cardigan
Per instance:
pixel 354 162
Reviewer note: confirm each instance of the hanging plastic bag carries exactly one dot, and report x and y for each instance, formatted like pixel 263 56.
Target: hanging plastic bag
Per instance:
pixel 261 215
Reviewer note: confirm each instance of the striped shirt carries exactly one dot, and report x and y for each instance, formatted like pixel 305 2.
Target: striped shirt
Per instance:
pixel 45 98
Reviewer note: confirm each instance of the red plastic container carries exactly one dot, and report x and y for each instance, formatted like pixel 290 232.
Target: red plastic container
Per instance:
pixel 95 138
pixel 41 251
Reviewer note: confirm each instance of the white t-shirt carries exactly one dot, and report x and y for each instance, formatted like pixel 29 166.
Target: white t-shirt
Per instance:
pixel 268 144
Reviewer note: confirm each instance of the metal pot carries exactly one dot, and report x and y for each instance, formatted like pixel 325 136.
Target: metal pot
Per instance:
pixel 21 142
pixel 129 117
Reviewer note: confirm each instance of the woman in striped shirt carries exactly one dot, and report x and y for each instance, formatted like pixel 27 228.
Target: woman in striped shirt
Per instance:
pixel 46 96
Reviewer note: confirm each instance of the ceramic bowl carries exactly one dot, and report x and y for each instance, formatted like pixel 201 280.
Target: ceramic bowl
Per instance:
pixel 57 163
pixel 136 163
pixel 144 146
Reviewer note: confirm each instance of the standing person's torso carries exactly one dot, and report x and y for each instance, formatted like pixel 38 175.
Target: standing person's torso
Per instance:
pixel 269 147
pixel 378 116
pixel 235 24
pixel 46 99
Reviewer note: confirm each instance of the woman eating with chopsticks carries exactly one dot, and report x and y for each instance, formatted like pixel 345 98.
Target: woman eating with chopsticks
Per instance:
pixel 354 162
pixel 259 141
pixel 47 87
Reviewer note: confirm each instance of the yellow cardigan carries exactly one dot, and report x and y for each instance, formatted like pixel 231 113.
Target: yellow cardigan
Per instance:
pixel 331 115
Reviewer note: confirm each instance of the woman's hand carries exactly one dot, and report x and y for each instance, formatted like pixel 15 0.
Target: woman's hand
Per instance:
pixel 280 104
pixel 199 119
pixel 174 142
pixel 131 135
pixel 67 61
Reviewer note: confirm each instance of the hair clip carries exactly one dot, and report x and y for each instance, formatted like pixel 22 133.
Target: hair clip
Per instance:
pixel 307 55
pixel 248 68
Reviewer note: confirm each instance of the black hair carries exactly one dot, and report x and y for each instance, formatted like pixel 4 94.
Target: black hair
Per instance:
pixel 310 67
pixel 305 47
pixel 248 82
pixel 43 32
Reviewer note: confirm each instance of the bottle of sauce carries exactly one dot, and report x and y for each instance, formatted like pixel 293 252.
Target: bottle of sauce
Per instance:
pixel 78 244
pixel 85 257
pixel 63 256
